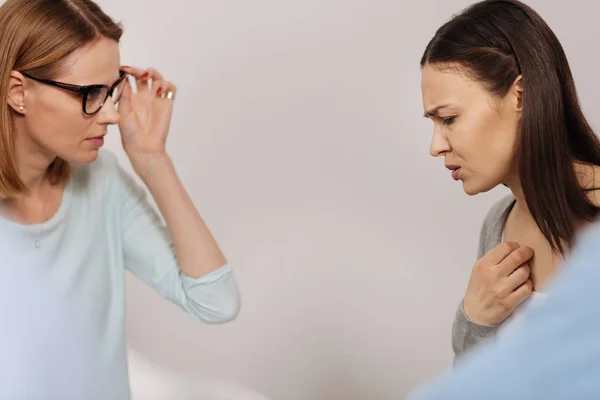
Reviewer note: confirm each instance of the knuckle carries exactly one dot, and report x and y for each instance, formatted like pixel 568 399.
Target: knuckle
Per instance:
pixel 484 273
pixel 505 305
pixel 520 256
pixel 490 277
pixel 495 292
pixel 506 246
pixel 514 258
pixel 526 252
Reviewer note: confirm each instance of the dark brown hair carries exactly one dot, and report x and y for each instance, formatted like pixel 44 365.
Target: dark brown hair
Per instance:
pixel 36 37
pixel 496 41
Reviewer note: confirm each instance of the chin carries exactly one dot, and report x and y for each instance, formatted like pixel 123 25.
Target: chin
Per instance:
pixel 473 187
pixel 84 157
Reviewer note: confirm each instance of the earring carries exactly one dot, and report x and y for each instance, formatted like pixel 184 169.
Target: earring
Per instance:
pixel 21 108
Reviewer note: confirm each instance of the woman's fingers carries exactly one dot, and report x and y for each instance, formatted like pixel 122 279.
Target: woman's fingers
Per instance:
pixel 143 77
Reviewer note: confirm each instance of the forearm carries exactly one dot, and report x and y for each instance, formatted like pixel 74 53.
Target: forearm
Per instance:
pixel 197 251
pixel 467 335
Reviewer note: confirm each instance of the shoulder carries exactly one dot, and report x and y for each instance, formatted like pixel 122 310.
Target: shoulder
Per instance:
pixel 497 213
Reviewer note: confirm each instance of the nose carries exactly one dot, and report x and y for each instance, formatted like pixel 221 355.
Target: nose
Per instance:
pixel 108 115
pixel 439 143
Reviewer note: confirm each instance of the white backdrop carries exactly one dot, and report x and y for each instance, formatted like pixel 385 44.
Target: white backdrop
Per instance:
pixel 298 132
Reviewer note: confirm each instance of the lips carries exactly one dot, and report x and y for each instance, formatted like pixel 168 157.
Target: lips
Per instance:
pixel 456 174
pixel 97 141
pixel 455 171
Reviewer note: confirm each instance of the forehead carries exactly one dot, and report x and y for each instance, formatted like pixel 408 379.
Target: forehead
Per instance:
pixel 448 86
pixel 96 63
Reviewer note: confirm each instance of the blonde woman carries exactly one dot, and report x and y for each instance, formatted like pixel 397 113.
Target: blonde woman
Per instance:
pixel 83 220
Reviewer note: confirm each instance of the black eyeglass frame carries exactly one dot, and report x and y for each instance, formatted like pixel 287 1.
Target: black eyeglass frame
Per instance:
pixel 84 91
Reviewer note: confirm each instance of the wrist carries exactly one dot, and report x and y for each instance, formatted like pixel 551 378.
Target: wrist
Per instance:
pixel 471 317
pixel 147 166
pixel 475 318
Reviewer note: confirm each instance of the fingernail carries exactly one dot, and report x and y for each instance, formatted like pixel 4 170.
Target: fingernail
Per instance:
pixel 145 75
pixel 159 91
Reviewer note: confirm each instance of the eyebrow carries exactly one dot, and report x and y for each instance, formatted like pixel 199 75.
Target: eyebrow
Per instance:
pixel 435 110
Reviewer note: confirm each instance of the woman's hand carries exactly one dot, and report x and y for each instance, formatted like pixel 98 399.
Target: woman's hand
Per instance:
pixel 146 117
pixel 499 283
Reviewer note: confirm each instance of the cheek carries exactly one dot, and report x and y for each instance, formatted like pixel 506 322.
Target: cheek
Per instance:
pixel 502 144
pixel 488 137
pixel 485 147
pixel 469 138
pixel 494 157
pixel 59 120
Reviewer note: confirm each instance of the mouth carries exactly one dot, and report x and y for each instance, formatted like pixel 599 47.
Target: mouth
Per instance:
pixel 455 171
pixel 97 141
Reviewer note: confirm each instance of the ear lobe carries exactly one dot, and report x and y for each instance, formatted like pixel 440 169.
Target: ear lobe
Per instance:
pixel 518 88
pixel 16 91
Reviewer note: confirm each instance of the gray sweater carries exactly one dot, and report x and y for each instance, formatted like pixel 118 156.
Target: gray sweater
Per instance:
pixel 467 334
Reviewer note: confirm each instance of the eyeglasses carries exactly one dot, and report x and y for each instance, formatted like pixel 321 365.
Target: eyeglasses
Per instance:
pixel 94 96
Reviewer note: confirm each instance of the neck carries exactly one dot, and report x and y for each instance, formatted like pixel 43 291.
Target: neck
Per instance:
pixel 33 163
pixel 33 174
pixel 514 184
pixel 587 176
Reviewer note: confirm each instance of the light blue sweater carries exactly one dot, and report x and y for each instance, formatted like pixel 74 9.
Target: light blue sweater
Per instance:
pixel 103 227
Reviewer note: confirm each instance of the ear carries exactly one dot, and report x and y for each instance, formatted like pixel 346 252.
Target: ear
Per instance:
pixel 518 91
pixel 16 92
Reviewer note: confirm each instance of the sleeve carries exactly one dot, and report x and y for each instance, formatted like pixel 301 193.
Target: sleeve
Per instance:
pixel 545 357
pixel 149 253
pixel 466 334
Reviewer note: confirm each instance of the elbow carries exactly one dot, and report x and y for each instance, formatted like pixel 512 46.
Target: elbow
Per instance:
pixel 215 298
pixel 225 310
pixel 228 311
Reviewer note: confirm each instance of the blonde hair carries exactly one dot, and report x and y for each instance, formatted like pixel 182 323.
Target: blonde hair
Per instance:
pixel 36 37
